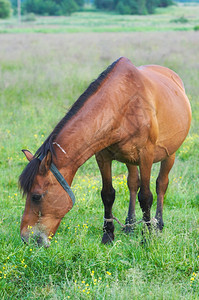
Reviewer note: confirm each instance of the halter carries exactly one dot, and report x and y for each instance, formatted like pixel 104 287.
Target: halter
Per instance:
pixel 61 180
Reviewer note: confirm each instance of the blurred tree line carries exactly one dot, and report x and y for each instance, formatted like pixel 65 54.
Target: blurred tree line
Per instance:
pixel 66 7
pixel 132 7
pixel 52 7
pixel 49 7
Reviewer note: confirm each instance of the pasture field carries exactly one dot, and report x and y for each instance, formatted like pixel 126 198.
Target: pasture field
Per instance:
pixel 40 77
pixel 178 17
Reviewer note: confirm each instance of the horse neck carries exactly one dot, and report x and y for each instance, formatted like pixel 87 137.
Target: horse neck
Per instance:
pixel 90 130
pixel 96 125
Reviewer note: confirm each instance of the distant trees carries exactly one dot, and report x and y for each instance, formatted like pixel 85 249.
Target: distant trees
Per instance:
pixel 67 7
pixel 105 4
pixel 52 7
pixel 5 9
pixel 165 3
pixel 140 7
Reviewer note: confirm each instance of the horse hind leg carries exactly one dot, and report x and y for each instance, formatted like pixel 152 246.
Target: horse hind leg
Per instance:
pixel 161 187
pixel 107 194
pixel 133 182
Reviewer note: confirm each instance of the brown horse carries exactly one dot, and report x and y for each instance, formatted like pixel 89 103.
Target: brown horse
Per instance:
pixel 138 116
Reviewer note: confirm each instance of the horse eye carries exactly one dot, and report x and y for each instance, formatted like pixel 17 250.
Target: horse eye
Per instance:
pixel 36 198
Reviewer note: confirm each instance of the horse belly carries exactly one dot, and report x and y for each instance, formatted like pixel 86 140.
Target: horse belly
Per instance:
pixel 174 123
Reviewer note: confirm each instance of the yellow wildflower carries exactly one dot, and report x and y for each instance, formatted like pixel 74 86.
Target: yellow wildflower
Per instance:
pixel 192 278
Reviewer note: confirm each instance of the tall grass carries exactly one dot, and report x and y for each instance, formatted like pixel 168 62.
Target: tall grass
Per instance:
pixel 41 76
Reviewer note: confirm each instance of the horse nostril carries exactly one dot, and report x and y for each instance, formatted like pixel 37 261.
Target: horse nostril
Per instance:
pixel 38 240
pixel 42 240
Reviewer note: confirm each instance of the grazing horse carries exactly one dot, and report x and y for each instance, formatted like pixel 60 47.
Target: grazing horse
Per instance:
pixel 135 115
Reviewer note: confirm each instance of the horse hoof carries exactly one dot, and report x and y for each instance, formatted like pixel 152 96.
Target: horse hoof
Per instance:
pixel 107 238
pixel 160 226
pixel 129 225
pixel 129 228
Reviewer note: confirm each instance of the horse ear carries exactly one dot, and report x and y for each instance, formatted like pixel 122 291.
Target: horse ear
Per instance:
pixel 45 163
pixel 28 154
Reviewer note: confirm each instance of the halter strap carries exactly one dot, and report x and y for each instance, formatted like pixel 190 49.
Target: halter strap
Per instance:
pixel 61 180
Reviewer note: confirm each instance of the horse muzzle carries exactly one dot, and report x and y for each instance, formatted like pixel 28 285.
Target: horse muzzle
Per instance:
pixel 35 237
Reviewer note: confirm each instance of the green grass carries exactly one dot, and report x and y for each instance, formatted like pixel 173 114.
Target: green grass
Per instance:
pixel 163 20
pixel 41 75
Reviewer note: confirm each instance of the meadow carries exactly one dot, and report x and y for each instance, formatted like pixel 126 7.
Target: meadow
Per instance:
pixel 41 75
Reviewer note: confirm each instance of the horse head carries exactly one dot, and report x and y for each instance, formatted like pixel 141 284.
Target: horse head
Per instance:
pixel 46 200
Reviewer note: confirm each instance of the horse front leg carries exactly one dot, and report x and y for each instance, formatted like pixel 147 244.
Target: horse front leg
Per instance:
pixel 107 194
pixel 133 182
pixel 145 196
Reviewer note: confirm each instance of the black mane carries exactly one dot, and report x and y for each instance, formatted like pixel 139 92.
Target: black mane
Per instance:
pixel 27 177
